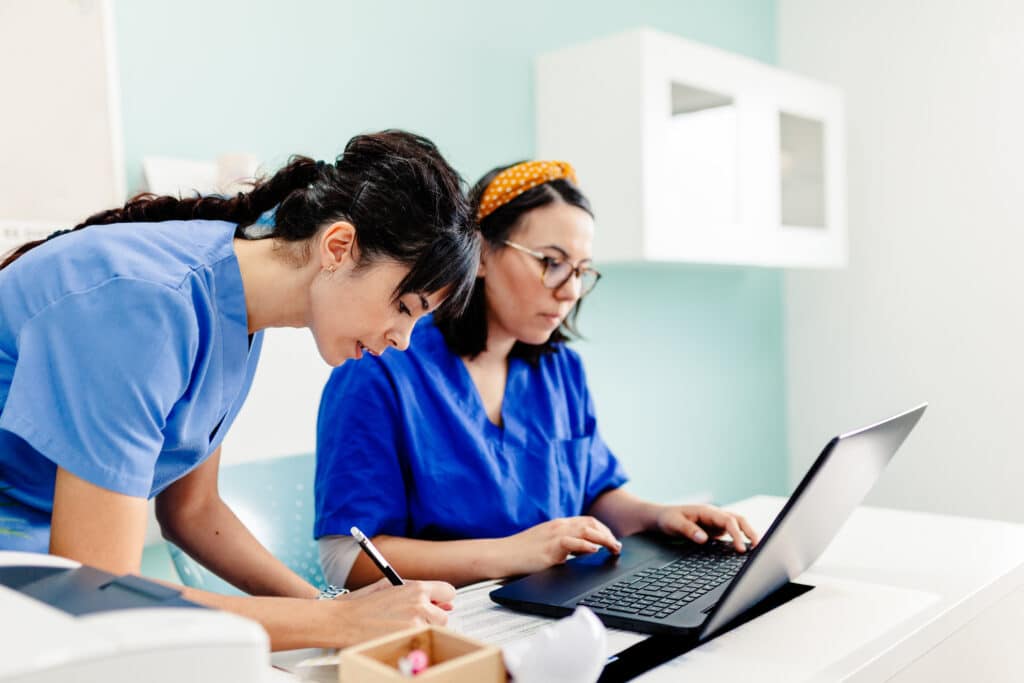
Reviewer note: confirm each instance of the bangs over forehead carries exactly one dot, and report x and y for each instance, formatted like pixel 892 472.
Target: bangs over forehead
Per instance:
pixel 448 265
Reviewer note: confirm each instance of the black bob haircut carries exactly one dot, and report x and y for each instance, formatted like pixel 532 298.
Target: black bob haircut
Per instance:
pixel 466 333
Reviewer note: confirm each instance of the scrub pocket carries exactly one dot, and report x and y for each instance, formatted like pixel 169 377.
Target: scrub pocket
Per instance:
pixel 572 459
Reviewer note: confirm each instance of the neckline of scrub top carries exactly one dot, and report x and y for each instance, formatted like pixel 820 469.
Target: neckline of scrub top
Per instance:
pixel 510 428
pixel 234 319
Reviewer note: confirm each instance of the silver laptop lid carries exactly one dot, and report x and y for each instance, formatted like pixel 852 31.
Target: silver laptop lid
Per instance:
pixel 835 484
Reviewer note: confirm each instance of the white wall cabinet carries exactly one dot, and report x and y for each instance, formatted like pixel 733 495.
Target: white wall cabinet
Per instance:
pixel 690 153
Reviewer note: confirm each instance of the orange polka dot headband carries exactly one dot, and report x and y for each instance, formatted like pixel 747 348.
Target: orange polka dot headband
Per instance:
pixel 515 180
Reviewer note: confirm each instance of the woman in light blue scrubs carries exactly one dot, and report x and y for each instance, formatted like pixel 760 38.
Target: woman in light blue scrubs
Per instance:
pixel 127 349
pixel 477 452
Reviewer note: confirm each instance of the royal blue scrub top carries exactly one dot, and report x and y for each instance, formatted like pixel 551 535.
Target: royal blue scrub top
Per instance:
pixel 124 357
pixel 405 448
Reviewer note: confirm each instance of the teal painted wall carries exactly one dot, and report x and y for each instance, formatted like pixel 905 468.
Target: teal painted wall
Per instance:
pixel 686 362
pixel 686 367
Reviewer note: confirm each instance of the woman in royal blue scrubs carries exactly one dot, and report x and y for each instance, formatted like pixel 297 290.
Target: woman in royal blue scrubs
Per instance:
pixel 127 349
pixel 476 454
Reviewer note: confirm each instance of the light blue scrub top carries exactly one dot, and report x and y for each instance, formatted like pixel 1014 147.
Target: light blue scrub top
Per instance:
pixel 124 357
pixel 405 447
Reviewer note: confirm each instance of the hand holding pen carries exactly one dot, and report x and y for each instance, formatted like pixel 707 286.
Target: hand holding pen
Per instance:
pixel 384 566
pixel 370 549
pixel 379 608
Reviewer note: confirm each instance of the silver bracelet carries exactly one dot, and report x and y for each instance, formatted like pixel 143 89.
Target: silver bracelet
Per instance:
pixel 331 592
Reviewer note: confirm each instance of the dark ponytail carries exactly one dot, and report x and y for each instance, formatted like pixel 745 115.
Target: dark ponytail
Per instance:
pixel 403 198
pixel 242 209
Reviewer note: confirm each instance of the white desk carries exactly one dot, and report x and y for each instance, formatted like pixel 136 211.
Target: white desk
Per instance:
pixel 899 596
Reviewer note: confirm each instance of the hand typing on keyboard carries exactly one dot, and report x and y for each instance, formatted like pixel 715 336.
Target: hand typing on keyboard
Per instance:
pixel 699 522
pixel 628 514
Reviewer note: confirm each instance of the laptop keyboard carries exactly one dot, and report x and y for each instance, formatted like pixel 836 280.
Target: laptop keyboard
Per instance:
pixel 659 591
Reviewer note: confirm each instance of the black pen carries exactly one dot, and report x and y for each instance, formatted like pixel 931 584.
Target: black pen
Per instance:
pixel 377 558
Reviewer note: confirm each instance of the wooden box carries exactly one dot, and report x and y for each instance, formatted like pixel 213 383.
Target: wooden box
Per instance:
pixel 453 658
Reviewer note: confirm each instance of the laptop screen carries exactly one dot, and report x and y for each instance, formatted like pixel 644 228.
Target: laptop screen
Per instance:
pixel 833 487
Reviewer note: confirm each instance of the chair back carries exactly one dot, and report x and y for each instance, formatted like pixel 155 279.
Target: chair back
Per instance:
pixel 274 499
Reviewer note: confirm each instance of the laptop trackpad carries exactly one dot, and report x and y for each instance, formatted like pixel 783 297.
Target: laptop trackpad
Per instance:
pixel 565 584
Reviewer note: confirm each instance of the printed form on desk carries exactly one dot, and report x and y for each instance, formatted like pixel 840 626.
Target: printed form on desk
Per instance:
pixel 477 616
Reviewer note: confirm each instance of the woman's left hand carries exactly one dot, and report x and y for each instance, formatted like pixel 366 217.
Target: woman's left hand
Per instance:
pixel 698 522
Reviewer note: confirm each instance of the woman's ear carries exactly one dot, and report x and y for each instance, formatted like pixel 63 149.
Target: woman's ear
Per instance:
pixel 337 245
pixel 485 255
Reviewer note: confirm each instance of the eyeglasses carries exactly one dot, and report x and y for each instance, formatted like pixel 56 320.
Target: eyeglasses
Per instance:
pixel 558 271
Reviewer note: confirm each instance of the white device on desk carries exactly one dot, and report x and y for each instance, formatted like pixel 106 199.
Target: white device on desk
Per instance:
pixel 61 621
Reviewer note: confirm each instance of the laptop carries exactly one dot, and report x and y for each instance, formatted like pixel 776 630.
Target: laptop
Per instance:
pixel 664 585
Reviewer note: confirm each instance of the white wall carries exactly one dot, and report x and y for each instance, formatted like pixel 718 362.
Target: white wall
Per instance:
pixel 930 307
pixel 279 416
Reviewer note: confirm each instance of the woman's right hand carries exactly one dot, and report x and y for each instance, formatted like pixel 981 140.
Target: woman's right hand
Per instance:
pixel 550 543
pixel 380 608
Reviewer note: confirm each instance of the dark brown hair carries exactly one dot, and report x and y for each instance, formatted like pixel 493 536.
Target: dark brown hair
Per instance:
pixel 403 198
pixel 465 332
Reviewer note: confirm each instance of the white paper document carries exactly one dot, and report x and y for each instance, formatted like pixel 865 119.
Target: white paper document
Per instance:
pixel 477 616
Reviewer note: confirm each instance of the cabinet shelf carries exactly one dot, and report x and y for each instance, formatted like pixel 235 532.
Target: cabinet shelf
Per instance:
pixel 690 153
